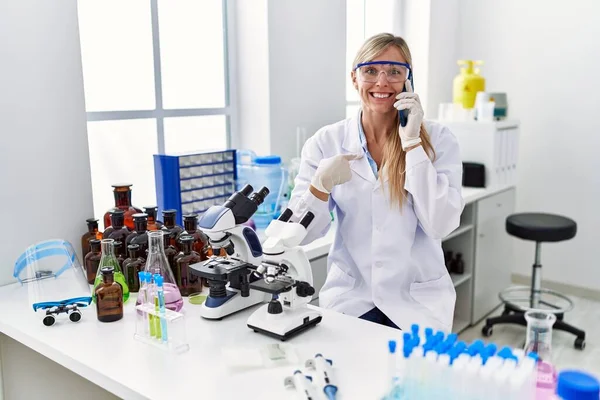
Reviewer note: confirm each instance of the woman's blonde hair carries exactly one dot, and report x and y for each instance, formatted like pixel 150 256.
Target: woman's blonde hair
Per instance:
pixel 394 157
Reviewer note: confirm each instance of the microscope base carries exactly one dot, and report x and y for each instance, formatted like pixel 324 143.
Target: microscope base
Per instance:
pixel 285 325
pixel 232 305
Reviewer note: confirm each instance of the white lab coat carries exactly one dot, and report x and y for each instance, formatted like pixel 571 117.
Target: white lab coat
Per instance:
pixel 381 256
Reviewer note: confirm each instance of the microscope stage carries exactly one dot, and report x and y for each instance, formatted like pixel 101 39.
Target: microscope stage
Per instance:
pixel 275 287
pixel 218 268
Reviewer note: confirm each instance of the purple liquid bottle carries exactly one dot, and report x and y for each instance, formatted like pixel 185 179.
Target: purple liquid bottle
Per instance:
pixel 157 263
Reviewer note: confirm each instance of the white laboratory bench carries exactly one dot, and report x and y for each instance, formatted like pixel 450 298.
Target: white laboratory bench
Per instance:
pixel 107 355
pixel 59 362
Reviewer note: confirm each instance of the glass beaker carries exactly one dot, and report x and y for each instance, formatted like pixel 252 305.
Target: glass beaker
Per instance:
pixel 539 333
pixel 157 263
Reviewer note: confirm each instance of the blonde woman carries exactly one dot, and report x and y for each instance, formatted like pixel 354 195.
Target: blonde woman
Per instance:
pixel 394 183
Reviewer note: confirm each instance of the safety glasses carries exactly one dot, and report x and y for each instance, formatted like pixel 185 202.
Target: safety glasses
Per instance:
pixel 395 72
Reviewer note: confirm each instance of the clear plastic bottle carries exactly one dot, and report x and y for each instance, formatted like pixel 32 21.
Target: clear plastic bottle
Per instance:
pixel 109 260
pixel 157 263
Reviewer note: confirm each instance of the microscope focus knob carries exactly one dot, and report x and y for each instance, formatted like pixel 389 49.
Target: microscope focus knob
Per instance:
pixel 274 307
pixel 303 289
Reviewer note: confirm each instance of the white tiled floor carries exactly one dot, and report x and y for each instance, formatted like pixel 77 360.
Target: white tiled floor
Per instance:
pixel 585 316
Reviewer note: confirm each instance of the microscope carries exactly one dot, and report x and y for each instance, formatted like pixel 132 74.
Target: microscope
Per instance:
pixel 229 277
pixel 287 276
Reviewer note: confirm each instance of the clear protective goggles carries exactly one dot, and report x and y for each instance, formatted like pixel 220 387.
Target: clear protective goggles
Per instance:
pixel 395 72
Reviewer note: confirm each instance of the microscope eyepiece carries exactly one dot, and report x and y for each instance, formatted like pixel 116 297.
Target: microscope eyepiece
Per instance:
pixel 307 219
pixel 259 197
pixel 286 215
pixel 246 190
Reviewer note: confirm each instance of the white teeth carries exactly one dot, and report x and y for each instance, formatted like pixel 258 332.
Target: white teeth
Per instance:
pixel 381 95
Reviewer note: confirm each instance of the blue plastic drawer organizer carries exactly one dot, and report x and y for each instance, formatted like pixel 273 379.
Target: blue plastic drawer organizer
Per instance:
pixel 191 183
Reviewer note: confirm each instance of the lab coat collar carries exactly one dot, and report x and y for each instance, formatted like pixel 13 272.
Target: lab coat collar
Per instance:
pixel 351 144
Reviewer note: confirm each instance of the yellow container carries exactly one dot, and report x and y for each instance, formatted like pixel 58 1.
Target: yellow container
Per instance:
pixel 467 83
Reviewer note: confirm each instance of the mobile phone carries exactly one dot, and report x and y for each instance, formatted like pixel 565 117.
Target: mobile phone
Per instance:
pixel 403 114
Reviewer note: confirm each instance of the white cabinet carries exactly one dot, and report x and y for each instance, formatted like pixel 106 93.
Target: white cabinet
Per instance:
pixel 493 144
pixel 493 252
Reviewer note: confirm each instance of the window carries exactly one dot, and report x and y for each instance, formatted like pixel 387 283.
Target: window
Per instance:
pixel 156 80
pixel 364 18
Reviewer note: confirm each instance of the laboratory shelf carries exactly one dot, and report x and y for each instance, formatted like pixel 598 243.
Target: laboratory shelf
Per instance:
pixel 459 231
pixel 458 279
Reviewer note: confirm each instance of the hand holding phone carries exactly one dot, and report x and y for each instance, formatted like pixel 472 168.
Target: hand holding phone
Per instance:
pixel 411 116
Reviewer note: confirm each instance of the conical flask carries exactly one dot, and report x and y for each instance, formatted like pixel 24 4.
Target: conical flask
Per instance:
pixel 157 263
pixel 109 259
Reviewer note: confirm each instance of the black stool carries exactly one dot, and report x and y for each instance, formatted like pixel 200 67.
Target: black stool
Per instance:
pixel 540 228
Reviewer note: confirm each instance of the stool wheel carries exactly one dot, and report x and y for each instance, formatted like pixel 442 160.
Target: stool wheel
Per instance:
pixel 487 330
pixel 580 343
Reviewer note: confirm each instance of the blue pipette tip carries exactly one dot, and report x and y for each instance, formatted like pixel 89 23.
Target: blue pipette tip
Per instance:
pixel 406 337
pixel 490 349
pixel 439 337
pixel 159 280
pixel 414 328
pixel 330 391
pixel 392 346
pixel 452 338
pixel 533 355
pixel 505 353
pixel 428 332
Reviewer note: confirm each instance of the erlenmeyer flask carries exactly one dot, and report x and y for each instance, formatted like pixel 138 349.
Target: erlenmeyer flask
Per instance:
pixel 110 260
pixel 157 263
pixel 539 333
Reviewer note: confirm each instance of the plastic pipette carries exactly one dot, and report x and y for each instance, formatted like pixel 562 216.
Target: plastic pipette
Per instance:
pixel 322 367
pixel 300 382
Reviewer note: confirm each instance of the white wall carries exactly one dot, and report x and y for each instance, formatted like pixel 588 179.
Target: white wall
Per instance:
pixel 290 70
pixel 44 164
pixel 251 44
pixel 544 55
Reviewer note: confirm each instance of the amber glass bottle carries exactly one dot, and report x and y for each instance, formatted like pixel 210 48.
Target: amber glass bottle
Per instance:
pixel 92 233
pixel 92 260
pixel 109 297
pixel 140 234
pixel 120 253
pixel 170 251
pixel 122 195
pixel 131 266
pixel 117 230
pixel 190 226
pixel 153 224
pixel 170 226
pixel 186 281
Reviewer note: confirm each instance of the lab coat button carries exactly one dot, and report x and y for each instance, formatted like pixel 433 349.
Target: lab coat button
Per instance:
pixel 378 264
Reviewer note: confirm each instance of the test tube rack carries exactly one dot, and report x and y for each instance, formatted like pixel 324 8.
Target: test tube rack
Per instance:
pixel 192 183
pixel 151 326
pixel 429 365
